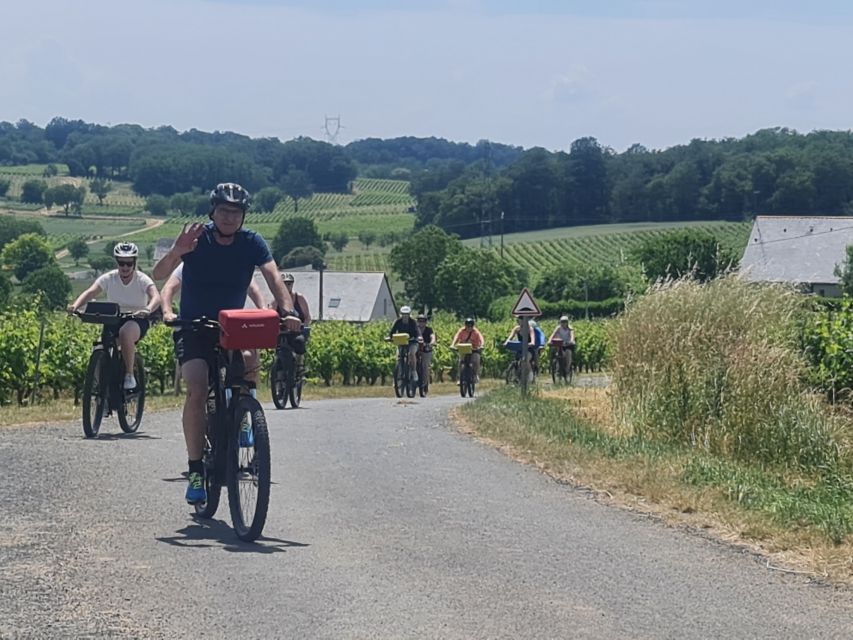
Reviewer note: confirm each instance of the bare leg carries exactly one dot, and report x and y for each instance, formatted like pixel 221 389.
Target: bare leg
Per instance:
pixel 195 374
pixel 128 335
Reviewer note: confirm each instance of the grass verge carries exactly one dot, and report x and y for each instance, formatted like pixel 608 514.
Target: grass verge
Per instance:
pixel 795 521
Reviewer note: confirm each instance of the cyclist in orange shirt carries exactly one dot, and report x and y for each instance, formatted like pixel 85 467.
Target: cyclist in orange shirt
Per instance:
pixel 471 335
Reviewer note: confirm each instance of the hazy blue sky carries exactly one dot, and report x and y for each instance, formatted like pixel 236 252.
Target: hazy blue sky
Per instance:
pixel 539 72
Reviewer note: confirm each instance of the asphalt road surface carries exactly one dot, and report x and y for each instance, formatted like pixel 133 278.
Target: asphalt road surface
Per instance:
pixel 384 523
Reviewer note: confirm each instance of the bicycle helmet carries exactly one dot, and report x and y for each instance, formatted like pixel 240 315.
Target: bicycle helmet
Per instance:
pixel 564 318
pixel 405 310
pixel 422 317
pixel 287 277
pixel 126 250
pixel 230 193
pixel 469 322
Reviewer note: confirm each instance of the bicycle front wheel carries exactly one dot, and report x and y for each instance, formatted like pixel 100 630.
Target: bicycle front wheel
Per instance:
pixel 133 400
pixel 95 393
pixel 249 469
pixel 399 380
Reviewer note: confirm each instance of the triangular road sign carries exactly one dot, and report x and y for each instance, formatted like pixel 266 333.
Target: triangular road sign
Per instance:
pixel 526 305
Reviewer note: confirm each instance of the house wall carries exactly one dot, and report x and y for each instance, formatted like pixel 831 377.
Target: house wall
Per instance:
pixel 384 309
pixel 827 290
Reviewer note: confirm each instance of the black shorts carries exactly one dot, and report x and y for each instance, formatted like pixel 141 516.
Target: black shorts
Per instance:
pixel 143 326
pixel 192 345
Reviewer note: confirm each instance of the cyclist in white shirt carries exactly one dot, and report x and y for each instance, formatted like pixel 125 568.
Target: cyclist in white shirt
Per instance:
pixel 565 333
pixel 134 292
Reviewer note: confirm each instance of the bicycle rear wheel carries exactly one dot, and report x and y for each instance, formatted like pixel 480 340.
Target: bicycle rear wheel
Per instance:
pixel 556 372
pixel 249 471
pixel 295 392
pixel 278 384
pixel 133 400
pixel 95 392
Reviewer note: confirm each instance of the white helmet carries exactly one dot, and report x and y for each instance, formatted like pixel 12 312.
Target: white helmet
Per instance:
pixel 533 324
pixel 125 250
pixel 405 309
pixel 564 318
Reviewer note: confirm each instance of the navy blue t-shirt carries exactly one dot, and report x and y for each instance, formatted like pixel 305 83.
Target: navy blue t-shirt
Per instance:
pixel 217 276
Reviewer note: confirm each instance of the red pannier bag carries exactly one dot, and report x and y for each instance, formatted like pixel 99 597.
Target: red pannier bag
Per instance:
pixel 249 328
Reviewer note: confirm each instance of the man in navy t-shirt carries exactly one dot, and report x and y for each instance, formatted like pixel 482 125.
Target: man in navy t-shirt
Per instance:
pixel 219 261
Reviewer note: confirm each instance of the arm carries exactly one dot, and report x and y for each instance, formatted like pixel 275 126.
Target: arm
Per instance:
pixel 303 304
pixel 255 295
pixel 83 298
pixel 432 340
pixel 455 339
pixel 169 290
pixel 153 299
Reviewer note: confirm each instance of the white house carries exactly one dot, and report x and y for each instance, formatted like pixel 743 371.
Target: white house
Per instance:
pixel 347 295
pixel 801 250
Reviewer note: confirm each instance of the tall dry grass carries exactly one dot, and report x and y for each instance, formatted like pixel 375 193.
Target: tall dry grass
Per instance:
pixel 716 366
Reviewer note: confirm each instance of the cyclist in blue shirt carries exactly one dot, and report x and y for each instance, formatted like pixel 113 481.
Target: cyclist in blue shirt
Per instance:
pixel 219 260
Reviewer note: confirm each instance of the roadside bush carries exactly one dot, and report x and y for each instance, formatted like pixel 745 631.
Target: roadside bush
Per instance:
pixel 718 367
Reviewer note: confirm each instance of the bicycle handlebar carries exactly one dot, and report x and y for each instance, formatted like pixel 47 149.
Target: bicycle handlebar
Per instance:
pixel 208 323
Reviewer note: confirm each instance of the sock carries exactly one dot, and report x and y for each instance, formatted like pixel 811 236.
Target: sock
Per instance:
pixel 196 466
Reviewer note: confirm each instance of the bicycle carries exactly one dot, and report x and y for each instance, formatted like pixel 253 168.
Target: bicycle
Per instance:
pixel 103 388
pixel 403 379
pixel 423 375
pixel 243 468
pixel 287 374
pixel 467 381
pixel 512 374
pixel 560 370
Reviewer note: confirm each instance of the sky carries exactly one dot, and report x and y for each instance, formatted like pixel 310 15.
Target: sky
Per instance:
pixel 528 73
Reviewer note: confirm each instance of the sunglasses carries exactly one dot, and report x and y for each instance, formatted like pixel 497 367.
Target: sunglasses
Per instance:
pixel 122 263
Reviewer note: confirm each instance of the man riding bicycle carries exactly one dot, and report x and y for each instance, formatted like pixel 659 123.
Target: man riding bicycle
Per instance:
pixel 564 332
pixel 406 324
pixel 426 348
pixel 219 260
pixel 469 334
pixel 134 292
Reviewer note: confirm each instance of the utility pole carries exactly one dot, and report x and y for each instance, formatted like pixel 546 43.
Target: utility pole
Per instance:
pixel 502 235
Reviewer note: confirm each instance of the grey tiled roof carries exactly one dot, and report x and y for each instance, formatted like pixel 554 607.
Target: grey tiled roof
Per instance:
pixel 350 296
pixel 796 249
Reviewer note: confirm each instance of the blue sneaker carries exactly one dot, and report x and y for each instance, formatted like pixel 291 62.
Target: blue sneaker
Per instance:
pixel 247 435
pixel 195 489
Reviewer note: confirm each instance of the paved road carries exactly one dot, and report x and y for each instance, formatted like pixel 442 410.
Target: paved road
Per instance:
pixel 385 523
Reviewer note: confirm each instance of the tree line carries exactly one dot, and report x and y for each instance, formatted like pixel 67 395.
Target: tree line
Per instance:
pixel 772 172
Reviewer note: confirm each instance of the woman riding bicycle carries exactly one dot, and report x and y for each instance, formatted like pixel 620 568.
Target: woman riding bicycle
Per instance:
pixel 406 324
pixel 426 348
pixel 134 292
pixel 564 332
pixel 469 334
pixel 536 339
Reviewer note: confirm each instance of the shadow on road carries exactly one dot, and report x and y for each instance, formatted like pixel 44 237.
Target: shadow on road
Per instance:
pixel 124 436
pixel 205 534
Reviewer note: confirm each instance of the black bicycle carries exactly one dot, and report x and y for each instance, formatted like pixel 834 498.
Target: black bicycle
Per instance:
pixel 560 352
pixel 404 382
pixel 287 375
pixel 103 387
pixel 239 462
pixel 512 374
pixel 467 381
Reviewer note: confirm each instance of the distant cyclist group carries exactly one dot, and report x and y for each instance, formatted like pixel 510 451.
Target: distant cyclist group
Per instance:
pixel 212 265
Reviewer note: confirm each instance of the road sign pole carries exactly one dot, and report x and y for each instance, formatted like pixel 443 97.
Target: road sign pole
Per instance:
pixel 524 336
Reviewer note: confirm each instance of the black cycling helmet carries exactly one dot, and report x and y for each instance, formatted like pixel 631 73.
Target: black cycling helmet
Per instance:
pixel 469 322
pixel 230 193
pixel 422 317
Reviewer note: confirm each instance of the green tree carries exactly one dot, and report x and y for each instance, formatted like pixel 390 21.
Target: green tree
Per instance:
pixel 367 238
pixel 101 264
pixel 33 191
pixel 297 184
pixel 66 195
pixel 11 228
pixel 684 253
pixel 149 253
pixel 53 285
pixel 157 205
pixel 5 183
pixel 26 254
pixel 416 261
pixel 338 240
pixel 101 189
pixel 50 171
pixel 845 272
pixel 300 256
pixel 189 204
pixel 468 281
pixel 296 232
pixel 267 198
pixel 78 249
pixel 5 289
